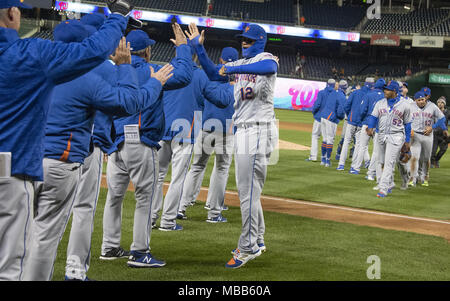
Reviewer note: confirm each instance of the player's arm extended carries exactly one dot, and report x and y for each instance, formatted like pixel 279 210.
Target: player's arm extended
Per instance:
pixel 211 70
pixel 372 122
pixel 218 93
pixel 63 62
pixel 440 123
pixel 408 132
pixel 120 100
pixel 182 69
pixel 264 67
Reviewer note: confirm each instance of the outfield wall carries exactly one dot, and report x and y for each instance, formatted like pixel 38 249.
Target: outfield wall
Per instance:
pixel 296 94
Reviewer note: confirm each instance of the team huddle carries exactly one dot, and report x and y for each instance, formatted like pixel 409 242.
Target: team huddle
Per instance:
pixel 401 129
pixel 93 92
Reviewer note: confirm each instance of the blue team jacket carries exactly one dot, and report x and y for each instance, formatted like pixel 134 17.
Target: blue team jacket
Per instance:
pixel 180 104
pixel 30 68
pixel 74 104
pixel 333 110
pixel 151 121
pixel 354 104
pixel 371 99
pixel 103 135
pixel 319 104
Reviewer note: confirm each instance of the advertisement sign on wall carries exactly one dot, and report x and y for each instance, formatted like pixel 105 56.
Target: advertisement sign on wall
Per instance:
pixel 385 40
pixel 428 42
pixel 439 78
pixel 296 94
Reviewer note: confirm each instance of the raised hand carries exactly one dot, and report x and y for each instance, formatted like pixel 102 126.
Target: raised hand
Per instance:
pixel 222 71
pixel 193 33
pixel 163 74
pixel 122 54
pixel 180 38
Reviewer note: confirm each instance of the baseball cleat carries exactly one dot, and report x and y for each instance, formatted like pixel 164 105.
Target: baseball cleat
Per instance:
pixel 181 215
pixel 115 253
pixel 262 247
pixel 340 167
pixel 381 195
pixel 310 160
pixel 173 228
pixel 376 188
pixel 370 178
pixel 404 186
pixel 240 259
pixel 66 278
pixel 154 226
pixel 425 183
pixel 144 260
pixel 353 171
pixel 323 162
pixel 411 183
pixel 207 207
pixel 224 208
pixel 217 219
pixel 192 203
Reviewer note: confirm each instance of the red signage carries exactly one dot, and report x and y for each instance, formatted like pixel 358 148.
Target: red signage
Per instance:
pixel 209 22
pixel 281 29
pixel 63 5
pixel 385 40
pixel 137 14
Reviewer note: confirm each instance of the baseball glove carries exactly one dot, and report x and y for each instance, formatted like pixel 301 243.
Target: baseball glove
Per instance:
pixel 405 154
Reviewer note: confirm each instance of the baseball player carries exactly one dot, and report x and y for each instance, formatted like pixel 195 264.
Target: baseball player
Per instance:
pixel 393 117
pixel 67 141
pixel 352 108
pixel 344 126
pixel 425 118
pixel 35 65
pixel 362 141
pixel 216 135
pixel 136 158
pixel 439 140
pixel 183 118
pixel 318 107
pixel 255 137
pixel 78 249
pixel 332 113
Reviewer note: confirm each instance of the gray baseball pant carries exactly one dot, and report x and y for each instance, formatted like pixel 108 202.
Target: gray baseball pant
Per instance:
pixel 253 146
pixel 180 155
pixel 361 152
pixel 350 132
pixel 375 168
pixel 54 200
pixel 16 213
pixel 83 214
pixel 315 135
pixel 389 154
pixel 139 163
pixel 420 156
pixel 206 144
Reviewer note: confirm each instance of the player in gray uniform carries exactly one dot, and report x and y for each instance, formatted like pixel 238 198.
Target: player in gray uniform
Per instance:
pixel 425 117
pixel 255 138
pixel 392 115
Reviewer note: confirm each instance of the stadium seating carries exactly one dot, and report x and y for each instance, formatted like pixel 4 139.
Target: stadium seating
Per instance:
pixel 331 15
pixel 277 11
pixel 191 6
pixel 410 23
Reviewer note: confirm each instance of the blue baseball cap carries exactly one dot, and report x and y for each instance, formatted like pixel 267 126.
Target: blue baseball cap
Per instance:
pixel 426 91
pixel 13 3
pixel 254 32
pixel 392 86
pixel 139 40
pixel 70 31
pixel 95 19
pixel 380 83
pixel 419 94
pixel 229 54
pixel 405 84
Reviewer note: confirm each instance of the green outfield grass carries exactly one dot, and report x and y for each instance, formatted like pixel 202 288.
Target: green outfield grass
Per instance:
pixel 294 116
pixel 298 249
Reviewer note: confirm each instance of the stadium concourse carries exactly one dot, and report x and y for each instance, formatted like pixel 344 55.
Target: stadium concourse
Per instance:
pixel 334 110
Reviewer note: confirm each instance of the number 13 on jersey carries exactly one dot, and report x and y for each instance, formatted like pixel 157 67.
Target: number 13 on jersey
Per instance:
pixel 247 94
